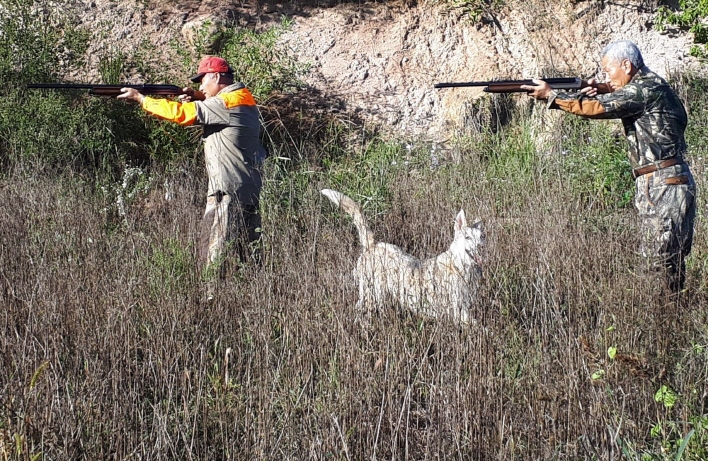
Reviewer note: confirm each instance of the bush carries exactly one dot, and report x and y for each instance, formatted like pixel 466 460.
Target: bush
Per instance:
pixel 50 131
pixel 38 44
pixel 594 155
pixel 690 16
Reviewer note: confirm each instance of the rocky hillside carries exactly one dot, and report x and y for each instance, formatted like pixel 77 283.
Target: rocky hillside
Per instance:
pixel 380 60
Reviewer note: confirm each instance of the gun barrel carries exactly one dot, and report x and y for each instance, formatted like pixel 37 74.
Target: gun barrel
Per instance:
pixel 111 90
pixel 511 86
pixel 460 84
pixel 61 86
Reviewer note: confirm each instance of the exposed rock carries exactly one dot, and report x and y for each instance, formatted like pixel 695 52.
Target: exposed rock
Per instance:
pixel 381 59
pixel 207 25
pixel 406 52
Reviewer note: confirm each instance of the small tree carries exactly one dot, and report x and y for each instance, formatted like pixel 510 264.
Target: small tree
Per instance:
pixel 692 17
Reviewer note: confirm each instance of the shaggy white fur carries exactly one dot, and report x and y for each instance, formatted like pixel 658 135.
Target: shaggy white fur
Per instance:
pixel 440 286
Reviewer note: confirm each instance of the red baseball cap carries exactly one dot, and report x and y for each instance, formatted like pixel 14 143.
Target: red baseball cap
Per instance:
pixel 211 64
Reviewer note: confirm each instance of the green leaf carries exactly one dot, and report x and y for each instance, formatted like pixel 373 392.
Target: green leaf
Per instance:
pixel 684 444
pixel 656 430
pixel 611 352
pixel 599 374
pixel 666 395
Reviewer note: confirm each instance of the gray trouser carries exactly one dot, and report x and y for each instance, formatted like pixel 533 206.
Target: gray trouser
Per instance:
pixel 666 203
pixel 226 222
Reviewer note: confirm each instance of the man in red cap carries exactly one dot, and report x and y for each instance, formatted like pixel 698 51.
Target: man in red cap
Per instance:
pixel 232 149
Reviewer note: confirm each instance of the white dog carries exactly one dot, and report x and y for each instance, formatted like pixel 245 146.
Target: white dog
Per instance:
pixel 444 285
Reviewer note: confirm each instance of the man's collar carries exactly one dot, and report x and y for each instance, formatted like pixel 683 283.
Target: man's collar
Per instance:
pixel 643 71
pixel 233 87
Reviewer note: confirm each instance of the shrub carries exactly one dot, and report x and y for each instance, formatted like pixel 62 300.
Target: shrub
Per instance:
pixel 594 157
pixel 38 43
pixel 690 16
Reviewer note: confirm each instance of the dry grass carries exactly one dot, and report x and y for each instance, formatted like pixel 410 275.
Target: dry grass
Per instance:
pixel 108 349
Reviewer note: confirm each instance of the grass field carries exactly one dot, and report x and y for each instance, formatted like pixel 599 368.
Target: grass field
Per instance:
pixel 109 350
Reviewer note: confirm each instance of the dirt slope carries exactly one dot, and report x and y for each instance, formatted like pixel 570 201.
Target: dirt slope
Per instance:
pixel 382 59
pixel 384 62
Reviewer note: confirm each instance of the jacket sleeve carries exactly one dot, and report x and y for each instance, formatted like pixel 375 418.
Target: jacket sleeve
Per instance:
pixel 183 113
pixel 625 102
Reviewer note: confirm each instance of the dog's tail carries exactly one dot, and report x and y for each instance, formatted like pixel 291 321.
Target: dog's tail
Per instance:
pixel 366 236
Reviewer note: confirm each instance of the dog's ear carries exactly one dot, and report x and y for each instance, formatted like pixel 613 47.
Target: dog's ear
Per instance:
pixel 460 221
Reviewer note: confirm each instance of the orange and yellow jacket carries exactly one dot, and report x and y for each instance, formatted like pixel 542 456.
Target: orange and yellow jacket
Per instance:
pixel 232 148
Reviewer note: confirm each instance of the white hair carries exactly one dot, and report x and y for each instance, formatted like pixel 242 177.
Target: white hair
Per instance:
pixel 624 49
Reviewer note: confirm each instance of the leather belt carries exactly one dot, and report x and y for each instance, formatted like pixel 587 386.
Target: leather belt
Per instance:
pixel 660 165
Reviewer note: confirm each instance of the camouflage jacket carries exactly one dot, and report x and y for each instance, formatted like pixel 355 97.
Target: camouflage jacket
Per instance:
pixel 653 116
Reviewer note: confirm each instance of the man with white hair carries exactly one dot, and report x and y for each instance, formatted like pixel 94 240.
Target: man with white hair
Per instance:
pixel 654 121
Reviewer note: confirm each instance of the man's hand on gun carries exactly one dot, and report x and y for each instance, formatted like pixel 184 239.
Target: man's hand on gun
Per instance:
pixel 542 90
pixel 131 94
pixel 539 90
pixel 594 88
pixel 188 94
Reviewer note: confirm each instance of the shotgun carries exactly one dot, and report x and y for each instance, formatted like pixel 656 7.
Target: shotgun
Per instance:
pixel 514 86
pixel 111 90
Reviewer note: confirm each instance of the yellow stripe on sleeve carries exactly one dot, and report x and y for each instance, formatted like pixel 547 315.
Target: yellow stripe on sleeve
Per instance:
pixel 183 113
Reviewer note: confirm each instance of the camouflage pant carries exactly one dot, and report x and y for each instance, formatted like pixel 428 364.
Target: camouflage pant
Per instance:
pixel 666 202
pixel 227 223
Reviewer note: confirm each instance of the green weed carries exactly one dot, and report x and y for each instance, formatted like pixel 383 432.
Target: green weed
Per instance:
pixel 595 163
pixel 690 16
pixel 39 44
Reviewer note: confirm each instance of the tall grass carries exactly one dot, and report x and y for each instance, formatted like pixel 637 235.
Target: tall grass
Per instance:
pixel 108 350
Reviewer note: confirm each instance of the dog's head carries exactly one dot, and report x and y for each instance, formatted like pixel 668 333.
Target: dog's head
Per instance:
pixel 469 240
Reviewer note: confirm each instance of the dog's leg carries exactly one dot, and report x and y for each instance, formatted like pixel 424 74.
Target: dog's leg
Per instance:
pixel 364 305
pixel 463 314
